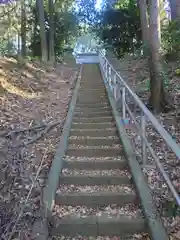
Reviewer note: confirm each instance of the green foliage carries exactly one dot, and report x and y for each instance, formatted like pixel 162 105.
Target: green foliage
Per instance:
pixel 65 25
pixel 7 48
pixel 177 71
pixel 172 208
pixel 120 27
pixel 171 39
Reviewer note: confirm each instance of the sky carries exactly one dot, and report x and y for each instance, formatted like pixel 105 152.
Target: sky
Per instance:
pixel 98 4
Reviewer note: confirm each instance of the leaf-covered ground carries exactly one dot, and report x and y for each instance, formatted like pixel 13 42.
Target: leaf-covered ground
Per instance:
pixel 135 72
pixel 33 105
pixel 34 101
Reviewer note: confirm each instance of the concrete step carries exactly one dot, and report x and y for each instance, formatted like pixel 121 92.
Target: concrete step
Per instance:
pixel 94 152
pixel 93 114
pixel 95 198
pixel 94 141
pixel 92 106
pixel 93 119
pixel 91 101
pixel 94 132
pixel 92 90
pixel 92 85
pixel 80 237
pixel 98 226
pixel 94 180
pixel 95 164
pixel 102 125
pixel 93 109
pixel 93 95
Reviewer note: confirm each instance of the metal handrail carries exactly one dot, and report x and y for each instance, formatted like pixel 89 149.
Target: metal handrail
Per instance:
pixel 115 80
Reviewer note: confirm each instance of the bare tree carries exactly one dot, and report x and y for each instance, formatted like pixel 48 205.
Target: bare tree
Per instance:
pixel 175 9
pixel 144 19
pixel 51 32
pixel 23 28
pixel 178 9
pixel 44 50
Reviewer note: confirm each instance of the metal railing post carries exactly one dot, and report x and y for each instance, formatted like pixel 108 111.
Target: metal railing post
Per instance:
pixel 123 102
pixel 115 87
pixel 143 144
pixel 110 82
pixel 106 69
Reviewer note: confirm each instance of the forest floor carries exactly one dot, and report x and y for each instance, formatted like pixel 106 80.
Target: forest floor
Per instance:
pixel 34 101
pixel 135 72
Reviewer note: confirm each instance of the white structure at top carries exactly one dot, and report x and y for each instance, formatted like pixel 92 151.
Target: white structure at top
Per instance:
pixel 86 44
pixel 86 49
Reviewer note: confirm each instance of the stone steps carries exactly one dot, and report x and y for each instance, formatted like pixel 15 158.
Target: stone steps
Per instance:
pixel 100 198
pixel 96 195
pixel 94 132
pixel 95 180
pixel 92 114
pixel 102 125
pixel 98 226
pixel 92 106
pixel 95 102
pixel 94 152
pixel 93 141
pixel 93 119
pixel 96 165
pixel 94 109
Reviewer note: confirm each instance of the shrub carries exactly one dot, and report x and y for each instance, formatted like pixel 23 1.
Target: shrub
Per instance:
pixel 171 39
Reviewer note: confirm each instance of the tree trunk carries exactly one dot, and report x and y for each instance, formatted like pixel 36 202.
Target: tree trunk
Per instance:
pixel 8 35
pixel 173 9
pixel 51 32
pixel 144 20
pixel 44 50
pixel 23 29
pixel 178 9
pixel 157 97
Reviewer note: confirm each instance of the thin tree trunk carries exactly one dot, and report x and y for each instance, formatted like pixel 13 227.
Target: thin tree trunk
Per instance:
pixel 19 44
pixel 51 32
pixel 178 9
pixel 23 29
pixel 144 19
pixel 8 35
pixel 173 9
pixel 44 50
pixel 157 97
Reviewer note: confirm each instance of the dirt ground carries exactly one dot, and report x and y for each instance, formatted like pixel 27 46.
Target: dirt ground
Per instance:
pixel 34 100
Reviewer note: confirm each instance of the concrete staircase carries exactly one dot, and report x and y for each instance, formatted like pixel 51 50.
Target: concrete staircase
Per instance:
pixel 96 195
